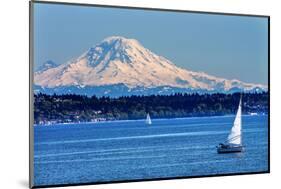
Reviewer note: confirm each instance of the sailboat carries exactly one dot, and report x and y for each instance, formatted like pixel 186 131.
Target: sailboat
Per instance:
pixel 148 120
pixel 233 143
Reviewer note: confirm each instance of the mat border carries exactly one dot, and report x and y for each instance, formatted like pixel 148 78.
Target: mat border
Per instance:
pixel 31 100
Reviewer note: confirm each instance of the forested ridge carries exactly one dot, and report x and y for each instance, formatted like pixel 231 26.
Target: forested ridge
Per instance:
pixel 79 108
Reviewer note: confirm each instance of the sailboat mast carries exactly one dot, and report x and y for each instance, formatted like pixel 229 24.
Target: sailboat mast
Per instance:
pixel 239 116
pixel 234 136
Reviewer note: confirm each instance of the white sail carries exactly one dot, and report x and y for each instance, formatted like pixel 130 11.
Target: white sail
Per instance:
pixel 148 120
pixel 235 134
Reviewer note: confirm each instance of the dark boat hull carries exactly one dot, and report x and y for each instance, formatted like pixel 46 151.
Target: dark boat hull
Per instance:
pixel 230 149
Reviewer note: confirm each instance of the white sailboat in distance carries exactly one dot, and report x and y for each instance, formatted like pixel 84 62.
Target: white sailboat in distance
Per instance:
pixel 234 140
pixel 148 120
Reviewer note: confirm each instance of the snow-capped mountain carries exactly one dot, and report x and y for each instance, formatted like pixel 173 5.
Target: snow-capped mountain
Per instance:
pixel 46 65
pixel 118 61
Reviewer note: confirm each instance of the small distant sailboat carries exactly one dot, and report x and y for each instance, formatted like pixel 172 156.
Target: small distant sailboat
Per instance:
pixel 148 120
pixel 234 140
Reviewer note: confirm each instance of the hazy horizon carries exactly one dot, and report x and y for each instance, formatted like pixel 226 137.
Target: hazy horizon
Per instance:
pixel 232 47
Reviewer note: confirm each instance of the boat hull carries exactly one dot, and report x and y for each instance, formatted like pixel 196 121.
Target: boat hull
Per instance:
pixel 232 149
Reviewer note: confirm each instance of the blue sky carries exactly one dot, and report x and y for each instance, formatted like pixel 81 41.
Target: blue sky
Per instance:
pixel 220 45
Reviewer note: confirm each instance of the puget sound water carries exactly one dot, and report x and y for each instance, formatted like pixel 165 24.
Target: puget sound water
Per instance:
pixel 132 150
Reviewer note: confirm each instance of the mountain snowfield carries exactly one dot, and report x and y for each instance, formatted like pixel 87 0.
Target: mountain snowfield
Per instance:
pixel 118 61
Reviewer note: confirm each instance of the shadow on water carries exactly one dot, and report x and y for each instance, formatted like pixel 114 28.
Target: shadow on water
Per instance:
pixel 23 183
pixel 237 155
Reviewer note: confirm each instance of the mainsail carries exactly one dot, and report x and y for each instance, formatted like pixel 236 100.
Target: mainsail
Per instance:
pixel 148 120
pixel 235 134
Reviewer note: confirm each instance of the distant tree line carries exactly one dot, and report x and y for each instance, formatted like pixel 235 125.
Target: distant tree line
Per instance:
pixel 79 108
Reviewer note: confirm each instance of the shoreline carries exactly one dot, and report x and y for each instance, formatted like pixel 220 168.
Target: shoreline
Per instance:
pixel 141 120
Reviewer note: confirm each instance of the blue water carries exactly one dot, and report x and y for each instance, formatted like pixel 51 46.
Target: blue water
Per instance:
pixel 129 150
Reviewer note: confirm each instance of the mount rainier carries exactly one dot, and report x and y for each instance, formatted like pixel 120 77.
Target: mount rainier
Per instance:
pixel 119 67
